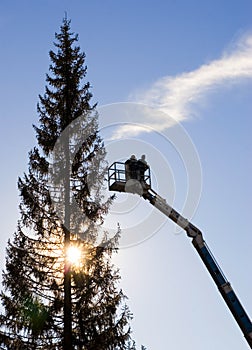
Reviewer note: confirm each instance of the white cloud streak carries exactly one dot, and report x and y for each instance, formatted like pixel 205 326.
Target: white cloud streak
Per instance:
pixel 178 96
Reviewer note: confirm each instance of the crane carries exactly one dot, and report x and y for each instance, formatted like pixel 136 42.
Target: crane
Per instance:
pixel 133 176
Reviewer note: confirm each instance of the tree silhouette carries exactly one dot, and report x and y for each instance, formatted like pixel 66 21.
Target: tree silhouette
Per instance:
pixel 49 301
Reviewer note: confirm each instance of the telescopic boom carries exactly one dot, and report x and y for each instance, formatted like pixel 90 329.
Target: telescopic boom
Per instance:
pixel 133 176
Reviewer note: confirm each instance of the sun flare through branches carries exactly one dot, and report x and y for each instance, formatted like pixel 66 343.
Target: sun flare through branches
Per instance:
pixel 74 255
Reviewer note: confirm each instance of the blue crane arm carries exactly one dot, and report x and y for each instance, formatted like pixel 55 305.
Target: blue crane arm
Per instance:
pixel 225 289
pixel 122 179
pixel 209 261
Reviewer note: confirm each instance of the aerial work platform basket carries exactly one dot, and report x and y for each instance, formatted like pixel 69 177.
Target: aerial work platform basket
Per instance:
pixel 121 176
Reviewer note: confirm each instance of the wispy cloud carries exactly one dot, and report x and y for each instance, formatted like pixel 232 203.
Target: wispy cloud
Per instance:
pixel 178 95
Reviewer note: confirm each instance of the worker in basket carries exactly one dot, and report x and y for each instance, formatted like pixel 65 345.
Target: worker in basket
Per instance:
pixel 135 169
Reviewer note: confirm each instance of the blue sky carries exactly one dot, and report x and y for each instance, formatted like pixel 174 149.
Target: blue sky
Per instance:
pixel 191 60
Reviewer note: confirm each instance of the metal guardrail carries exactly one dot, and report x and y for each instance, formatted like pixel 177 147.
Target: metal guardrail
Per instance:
pixel 117 173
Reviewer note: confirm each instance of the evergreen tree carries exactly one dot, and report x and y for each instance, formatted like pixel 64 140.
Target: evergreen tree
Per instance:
pixel 49 301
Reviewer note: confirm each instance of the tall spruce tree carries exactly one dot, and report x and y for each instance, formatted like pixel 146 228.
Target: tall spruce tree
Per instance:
pixel 50 302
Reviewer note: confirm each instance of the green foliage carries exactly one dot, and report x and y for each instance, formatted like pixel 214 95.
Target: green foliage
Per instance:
pixel 36 265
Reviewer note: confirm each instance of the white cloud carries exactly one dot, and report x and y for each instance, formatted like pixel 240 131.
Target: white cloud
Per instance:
pixel 177 96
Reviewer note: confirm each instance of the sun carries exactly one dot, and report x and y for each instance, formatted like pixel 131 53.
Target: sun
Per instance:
pixel 73 255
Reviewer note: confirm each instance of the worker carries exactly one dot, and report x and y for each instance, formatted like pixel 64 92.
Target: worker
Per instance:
pixel 142 166
pixel 131 168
